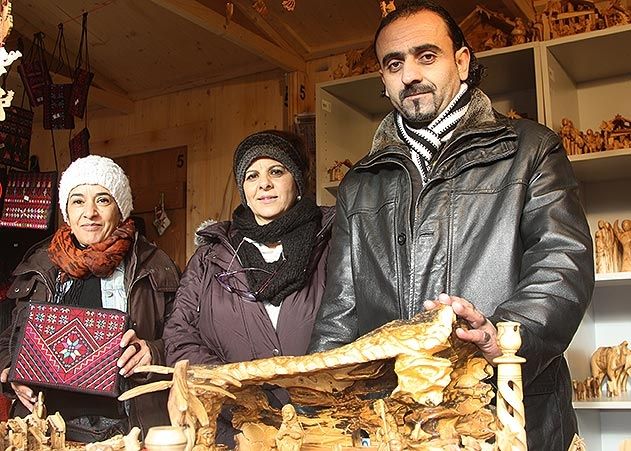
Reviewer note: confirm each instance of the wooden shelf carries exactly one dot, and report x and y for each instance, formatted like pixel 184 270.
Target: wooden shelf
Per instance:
pixel 594 55
pixel 331 187
pixel 614 279
pixel 622 402
pixel 601 166
pixel 362 92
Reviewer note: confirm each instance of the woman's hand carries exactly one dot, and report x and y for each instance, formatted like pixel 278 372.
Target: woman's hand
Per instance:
pixel 137 353
pixel 24 393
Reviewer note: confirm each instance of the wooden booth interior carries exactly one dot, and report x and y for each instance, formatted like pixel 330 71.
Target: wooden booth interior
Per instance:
pixel 178 83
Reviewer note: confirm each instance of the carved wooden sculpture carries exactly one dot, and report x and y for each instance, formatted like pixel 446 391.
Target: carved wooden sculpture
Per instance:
pixel 580 390
pixel 510 394
pixel 17 434
pixel 336 173
pixel 578 444
pixel 623 234
pixel 429 382
pixel 57 428
pixel 129 442
pixel 607 248
pixel 609 361
pixel 290 434
pixel 4 432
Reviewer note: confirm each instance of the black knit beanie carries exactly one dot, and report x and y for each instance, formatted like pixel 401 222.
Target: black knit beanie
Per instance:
pixel 284 147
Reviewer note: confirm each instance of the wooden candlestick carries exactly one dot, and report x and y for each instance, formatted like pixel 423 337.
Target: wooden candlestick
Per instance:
pixel 510 394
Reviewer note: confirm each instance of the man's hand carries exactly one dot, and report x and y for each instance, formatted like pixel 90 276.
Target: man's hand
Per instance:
pixel 136 354
pixel 24 393
pixel 482 333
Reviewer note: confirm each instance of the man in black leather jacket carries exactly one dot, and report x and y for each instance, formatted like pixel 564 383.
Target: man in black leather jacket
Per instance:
pixel 458 204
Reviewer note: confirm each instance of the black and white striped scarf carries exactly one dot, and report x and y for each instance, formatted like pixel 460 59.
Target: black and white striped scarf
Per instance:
pixel 425 142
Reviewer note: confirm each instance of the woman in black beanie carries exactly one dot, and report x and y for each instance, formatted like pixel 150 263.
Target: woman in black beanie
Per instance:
pixel 253 288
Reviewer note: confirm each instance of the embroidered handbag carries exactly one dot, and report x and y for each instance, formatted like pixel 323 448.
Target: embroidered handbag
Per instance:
pixel 56 114
pixel 57 107
pixel 15 137
pixel 29 200
pixel 80 145
pixel 70 348
pixel 15 134
pixel 82 76
pixel 33 71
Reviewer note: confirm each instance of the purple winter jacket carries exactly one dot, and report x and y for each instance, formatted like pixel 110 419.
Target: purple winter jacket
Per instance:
pixel 212 326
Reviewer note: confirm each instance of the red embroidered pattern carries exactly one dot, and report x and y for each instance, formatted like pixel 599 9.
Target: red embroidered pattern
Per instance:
pixel 71 348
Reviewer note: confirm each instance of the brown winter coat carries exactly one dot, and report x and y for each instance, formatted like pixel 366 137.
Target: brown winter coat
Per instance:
pixel 211 326
pixel 151 279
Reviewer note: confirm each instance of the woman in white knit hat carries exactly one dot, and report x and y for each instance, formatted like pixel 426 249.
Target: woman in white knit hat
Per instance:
pixel 97 260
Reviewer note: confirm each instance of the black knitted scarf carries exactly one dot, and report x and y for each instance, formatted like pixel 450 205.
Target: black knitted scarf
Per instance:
pixel 296 230
pixel 425 142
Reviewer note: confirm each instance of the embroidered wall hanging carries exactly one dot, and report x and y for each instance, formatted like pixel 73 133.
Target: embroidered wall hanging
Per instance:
pixel 29 200
pixel 15 137
pixel 33 71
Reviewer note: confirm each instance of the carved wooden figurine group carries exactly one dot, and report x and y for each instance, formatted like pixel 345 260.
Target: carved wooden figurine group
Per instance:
pixel 608 363
pixel 612 245
pixel 487 29
pixel 41 432
pixel 612 135
pixel 433 385
pixel 36 431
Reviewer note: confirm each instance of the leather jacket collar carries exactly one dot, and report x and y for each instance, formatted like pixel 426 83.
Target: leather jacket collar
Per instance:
pixel 482 136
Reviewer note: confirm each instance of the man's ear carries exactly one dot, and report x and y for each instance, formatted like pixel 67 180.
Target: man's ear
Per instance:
pixel 463 58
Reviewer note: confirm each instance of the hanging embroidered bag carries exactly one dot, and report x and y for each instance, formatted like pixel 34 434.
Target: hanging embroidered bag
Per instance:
pixel 57 113
pixel 80 144
pixel 82 75
pixel 33 71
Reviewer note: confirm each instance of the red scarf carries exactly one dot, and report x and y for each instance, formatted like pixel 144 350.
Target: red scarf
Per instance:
pixel 99 259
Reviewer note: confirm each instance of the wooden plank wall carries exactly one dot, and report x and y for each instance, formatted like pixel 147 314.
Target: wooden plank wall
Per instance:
pixel 210 121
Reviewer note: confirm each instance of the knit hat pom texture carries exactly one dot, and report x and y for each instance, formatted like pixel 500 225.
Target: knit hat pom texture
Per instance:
pixel 96 170
pixel 279 146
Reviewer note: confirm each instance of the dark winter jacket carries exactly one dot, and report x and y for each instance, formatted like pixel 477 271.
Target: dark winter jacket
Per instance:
pixel 151 280
pixel 212 326
pixel 499 223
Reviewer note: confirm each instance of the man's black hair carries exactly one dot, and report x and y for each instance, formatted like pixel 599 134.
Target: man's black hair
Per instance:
pixel 407 9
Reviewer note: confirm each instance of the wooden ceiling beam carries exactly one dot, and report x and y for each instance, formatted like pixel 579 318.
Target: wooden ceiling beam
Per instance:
pixel 339 47
pixel 245 6
pixel 521 8
pixel 27 30
pixel 101 97
pixel 214 22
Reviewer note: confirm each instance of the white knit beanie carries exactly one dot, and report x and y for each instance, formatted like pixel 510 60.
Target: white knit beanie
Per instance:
pixel 96 170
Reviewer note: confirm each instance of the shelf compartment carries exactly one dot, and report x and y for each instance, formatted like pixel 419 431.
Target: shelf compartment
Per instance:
pixel 586 77
pixel 362 92
pixel 513 79
pixel 594 55
pixel 601 166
